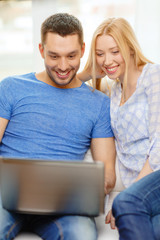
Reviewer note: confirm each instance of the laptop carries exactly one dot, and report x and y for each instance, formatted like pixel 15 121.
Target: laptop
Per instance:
pixel 52 187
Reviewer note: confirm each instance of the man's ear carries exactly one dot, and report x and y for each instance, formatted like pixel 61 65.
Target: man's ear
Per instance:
pixel 83 49
pixel 41 49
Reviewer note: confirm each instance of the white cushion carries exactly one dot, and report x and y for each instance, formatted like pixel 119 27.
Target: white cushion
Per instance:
pixel 27 236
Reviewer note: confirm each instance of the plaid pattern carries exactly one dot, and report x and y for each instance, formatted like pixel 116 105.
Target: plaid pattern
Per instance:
pixel 136 124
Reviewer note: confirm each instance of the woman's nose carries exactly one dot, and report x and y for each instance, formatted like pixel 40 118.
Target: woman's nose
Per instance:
pixel 108 59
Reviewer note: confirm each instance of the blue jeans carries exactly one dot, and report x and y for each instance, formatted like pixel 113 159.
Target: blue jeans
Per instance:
pixel 137 209
pixel 47 227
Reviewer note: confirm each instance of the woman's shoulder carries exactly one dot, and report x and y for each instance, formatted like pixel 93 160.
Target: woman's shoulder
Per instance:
pixel 151 74
pixel 152 68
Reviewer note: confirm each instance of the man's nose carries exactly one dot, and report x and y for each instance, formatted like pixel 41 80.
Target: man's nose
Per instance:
pixel 63 64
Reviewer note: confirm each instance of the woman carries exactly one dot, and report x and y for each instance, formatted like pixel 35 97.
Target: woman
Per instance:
pixel 135 99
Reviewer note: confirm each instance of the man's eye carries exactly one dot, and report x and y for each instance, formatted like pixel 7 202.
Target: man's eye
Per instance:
pixel 53 57
pixel 71 56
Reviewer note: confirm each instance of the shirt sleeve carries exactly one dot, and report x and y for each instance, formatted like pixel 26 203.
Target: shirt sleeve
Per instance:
pixel 5 99
pixel 153 96
pixel 102 128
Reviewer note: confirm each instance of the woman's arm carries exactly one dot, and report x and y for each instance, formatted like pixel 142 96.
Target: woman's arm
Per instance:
pixel 145 170
pixel 152 90
pixel 84 76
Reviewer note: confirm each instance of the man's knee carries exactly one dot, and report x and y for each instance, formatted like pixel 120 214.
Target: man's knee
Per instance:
pixel 9 226
pixel 3 224
pixel 79 228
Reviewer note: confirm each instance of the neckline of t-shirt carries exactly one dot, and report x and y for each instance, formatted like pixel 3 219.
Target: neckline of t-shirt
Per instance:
pixel 50 86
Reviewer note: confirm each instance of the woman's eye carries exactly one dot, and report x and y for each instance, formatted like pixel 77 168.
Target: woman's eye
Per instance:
pixel 115 52
pixel 99 54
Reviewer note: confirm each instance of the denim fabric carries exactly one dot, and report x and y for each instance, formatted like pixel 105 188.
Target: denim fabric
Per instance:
pixel 137 209
pixel 10 224
pixel 47 227
pixel 66 228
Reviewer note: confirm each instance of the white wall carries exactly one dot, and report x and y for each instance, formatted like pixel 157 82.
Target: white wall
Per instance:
pixel 90 12
pixel 144 16
pixel 147 27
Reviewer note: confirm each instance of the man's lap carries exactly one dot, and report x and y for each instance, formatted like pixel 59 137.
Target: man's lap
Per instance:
pixel 65 227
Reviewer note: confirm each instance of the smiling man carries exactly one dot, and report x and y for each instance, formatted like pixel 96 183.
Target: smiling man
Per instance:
pixel 53 115
pixel 62 60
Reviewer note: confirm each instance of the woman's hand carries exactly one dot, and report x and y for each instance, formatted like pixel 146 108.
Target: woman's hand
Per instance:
pixel 86 74
pixel 145 171
pixel 100 73
pixel 110 220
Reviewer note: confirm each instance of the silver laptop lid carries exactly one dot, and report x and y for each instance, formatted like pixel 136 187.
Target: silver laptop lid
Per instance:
pixel 52 187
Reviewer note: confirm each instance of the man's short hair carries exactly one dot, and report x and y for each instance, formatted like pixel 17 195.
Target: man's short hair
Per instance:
pixel 63 24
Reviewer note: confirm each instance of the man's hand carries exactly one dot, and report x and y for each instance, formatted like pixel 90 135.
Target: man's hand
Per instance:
pixel 108 185
pixel 110 220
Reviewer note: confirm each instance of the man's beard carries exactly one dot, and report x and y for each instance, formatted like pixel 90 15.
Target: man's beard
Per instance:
pixel 49 69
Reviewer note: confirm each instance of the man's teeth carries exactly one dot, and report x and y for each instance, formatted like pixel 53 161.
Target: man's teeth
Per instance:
pixel 62 74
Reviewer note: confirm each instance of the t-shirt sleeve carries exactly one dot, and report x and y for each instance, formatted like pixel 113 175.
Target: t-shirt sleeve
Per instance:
pixel 5 99
pixel 102 128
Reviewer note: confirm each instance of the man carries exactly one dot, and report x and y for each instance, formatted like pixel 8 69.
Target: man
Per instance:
pixel 53 115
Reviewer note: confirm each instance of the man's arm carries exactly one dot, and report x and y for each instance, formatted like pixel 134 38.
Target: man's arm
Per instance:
pixel 103 149
pixel 3 125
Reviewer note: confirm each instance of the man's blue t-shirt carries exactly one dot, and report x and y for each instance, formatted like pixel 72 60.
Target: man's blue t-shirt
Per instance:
pixel 46 122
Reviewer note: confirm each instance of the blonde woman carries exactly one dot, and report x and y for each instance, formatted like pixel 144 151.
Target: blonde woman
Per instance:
pixel 135 112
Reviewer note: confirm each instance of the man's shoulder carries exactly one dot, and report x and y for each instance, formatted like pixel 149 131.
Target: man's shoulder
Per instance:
pixel 96 94
pixel 14 78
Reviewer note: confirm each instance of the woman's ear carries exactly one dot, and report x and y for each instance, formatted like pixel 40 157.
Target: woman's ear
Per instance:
pixel 131 51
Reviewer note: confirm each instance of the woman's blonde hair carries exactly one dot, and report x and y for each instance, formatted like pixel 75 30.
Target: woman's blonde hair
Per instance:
pixel 123 34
